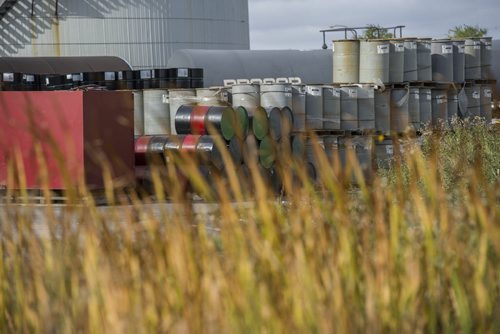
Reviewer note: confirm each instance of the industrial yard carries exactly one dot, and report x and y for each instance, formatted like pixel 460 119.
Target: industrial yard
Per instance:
pixel 158 175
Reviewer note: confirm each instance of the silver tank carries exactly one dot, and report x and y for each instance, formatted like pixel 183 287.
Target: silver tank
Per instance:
pixel 349 108
pixel 366 108
pixel 178 98
pixel 245 95
pixel 346 61
pixel 138 113
pixel 458 61
pixel 374 61
pixel 439 107
pixel 314 107
pixel 442 60
pixel 411 67
pixel 299 107
pixel 331 108
pixel 473 93
pixel 276 95
pixel 452 103
pixel 400 117
pixel 425 106
pixel 396 60
pixel 485 110
pixel 486 47
pixel 156 112
pixel 383 111
pixel 414 108
pixel 424 60
pixel 473 59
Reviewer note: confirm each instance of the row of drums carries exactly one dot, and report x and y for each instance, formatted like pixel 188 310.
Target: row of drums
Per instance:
pixel 412 59
pixel 307 107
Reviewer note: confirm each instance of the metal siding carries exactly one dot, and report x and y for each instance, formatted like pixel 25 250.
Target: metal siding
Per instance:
pixel 144 33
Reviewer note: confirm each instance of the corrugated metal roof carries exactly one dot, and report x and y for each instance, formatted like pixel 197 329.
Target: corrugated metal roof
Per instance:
pixel 61 65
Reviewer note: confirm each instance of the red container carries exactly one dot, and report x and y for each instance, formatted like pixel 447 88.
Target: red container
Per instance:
pixel 78 133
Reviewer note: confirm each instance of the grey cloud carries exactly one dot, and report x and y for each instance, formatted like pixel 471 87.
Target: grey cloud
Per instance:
pixel 295 24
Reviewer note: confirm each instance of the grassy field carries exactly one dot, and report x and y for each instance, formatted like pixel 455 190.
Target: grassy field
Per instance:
pixel 415 250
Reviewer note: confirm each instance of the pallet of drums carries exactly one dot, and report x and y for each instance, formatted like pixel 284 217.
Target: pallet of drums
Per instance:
pixel 456 74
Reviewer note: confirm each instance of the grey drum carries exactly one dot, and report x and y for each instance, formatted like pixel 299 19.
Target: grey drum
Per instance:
pixel 473 59
pixel 331 108
pixel 439 107
pixel 299 107
pixel 178 98
pixel 411 67
pixel 458 61
pixel 138 113
pixel 349 108
pixel 486 48
pixel 399 110
pixel 156 112
pixel 383 111
pixel 473 93
pixel 452 104
pixel 442 60
pixel 425 106
pixel 275 95
pixel 374 61
pixel 485 110
pixel 346 61
pixel 424 60
pixel 366 108
pixel 396 60
pixel 245 95
pixel 414 108
pixel 314 107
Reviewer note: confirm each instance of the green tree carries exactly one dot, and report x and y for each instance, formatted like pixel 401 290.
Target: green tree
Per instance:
pixel 375 31
pixel 467 31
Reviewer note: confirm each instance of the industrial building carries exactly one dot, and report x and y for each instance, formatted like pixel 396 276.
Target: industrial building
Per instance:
pixel 144 33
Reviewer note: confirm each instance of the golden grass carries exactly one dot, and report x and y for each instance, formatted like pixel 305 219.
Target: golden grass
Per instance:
pixel 411 251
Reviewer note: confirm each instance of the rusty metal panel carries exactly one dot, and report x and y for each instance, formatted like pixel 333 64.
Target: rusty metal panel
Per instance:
pixel 71 130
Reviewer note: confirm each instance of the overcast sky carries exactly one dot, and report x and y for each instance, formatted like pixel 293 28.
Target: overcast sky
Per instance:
pixel 294 24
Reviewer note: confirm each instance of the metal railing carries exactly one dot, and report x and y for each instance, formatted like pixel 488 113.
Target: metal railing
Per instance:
pixel 354 31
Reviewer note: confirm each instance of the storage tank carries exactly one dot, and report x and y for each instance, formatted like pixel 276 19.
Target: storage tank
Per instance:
pixel 374 61
pixel 145 33
pixel 345 61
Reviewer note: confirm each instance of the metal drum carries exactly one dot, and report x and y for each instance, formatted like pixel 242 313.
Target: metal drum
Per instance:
pixel 486 70
pixel 485 110
pixel 473 59
pixel 138 113
pixel 275 123
pixel 246 95
pixel 374 61
pixel 299 107
pixel 366 108
pixel 331 108
pixel 452 104
pixel 414 108
pixel 411 67
pixel 424 60
pixel 276 95
pixel 156 112
pixel 178 98
pixel 346 61
pixel 384 153
pixel 463 103
pixel 383 111
pixel 439 107
pixel 458 61
pixel 399 110
pixel 473 93
pixel 349 108
pixel 314 107
pixel 331 144
pixel 442 60
pixel 267 152
pixel 396 60
pixel 425 106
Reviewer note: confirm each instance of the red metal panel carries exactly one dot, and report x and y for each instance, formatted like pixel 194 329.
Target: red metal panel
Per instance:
pixel 67 130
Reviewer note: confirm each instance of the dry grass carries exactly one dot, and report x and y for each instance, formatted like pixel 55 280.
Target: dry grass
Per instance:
pixel 419 253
